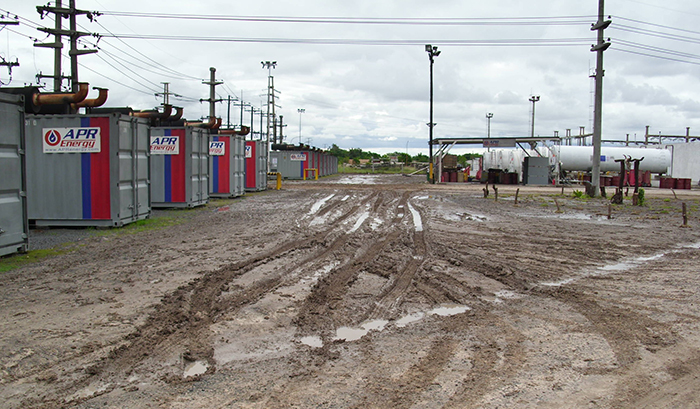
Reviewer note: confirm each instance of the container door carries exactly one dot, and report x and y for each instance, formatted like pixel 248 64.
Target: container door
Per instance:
pixel 13 205
pixel 143 188
pixel 128 162
pixel 200 166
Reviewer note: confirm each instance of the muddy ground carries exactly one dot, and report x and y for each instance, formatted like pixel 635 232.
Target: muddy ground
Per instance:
pixel 366 292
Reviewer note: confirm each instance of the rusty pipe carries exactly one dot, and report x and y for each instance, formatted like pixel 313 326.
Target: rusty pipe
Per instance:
pixel 154 113
pixel 55 99
pixel 208 125
pixel 218 124
pixel 94 102
pixel 178 114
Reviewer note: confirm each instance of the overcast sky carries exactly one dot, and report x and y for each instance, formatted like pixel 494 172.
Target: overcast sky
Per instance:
pixel 375 97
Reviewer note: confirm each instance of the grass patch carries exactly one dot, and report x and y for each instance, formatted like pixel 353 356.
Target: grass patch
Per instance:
pixel 16 261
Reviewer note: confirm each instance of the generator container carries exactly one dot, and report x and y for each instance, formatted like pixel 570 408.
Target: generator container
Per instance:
pixel 255 166
pixel 179 167
pixel 227 166
pixel 14 229
pixel 87 170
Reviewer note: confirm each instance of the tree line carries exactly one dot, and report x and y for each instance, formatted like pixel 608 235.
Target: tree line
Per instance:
pixel 353 155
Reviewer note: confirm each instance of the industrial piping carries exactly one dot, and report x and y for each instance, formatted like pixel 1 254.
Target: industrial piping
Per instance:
pixel 154 113
pixel 94 102
pixel 63 98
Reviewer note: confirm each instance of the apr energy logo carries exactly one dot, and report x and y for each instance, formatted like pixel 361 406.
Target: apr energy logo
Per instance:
pixel 217 148
pixel 165 145
pixel 71 140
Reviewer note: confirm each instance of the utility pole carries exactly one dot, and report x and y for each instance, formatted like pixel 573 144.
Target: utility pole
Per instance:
pixel 432 53
pixel 71 13
pixel 228 112
pixel 270 65
pixel 212 92
pixel 282 125
pixel 3 62
pixel 598 48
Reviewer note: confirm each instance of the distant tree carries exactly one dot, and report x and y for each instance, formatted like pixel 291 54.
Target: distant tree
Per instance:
pixel 421 158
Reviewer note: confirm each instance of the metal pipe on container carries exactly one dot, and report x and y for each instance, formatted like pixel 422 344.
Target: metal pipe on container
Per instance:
pixel 63 98
pixel 94 102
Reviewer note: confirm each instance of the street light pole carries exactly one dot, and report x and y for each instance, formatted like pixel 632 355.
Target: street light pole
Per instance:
pixel 300 111
pixel 488 127
pixel 533 99
pixel 432 53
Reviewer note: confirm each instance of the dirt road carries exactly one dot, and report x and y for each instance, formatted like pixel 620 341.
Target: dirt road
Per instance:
pixel 366 292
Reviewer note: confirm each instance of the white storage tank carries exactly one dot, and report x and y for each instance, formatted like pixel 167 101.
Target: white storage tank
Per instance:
pixel 580 158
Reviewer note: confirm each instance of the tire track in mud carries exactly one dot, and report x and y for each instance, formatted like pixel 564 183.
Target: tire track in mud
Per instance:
pixel 321 307
pixel 497 357
pixel 183 318
pixel 404 391
pixel 626 331
pixel 392 296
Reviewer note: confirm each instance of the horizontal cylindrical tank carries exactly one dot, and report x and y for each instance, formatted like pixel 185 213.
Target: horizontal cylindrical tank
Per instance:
pixel 580 158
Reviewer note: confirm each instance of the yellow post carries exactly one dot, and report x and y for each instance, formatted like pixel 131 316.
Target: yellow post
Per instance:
pixel 431 172
pixel 279 181
pixel 316 173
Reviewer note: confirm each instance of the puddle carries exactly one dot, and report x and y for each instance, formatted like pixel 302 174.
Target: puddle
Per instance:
pixel 614 267
pixel 318 205
pixel 692 246
pixel 359 222
pixel 447 310
pixel 417 221
pixel 312 341
pixel 507 294
pixel 402 322
pixel 353 334
pixel 376 223
pixel 359 180
pixel 318 220
pixel 195 368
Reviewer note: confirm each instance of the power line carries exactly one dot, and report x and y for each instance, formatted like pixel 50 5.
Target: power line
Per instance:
pixel 505 21
pixel 657 25
pixel 653 33
pixel 547 42
pixel 657 49
pixel 654 56
pixel 155 63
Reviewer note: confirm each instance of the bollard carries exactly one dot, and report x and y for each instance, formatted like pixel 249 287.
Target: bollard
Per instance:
pixel 685 216
pixel 517 191
pixel 495 192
